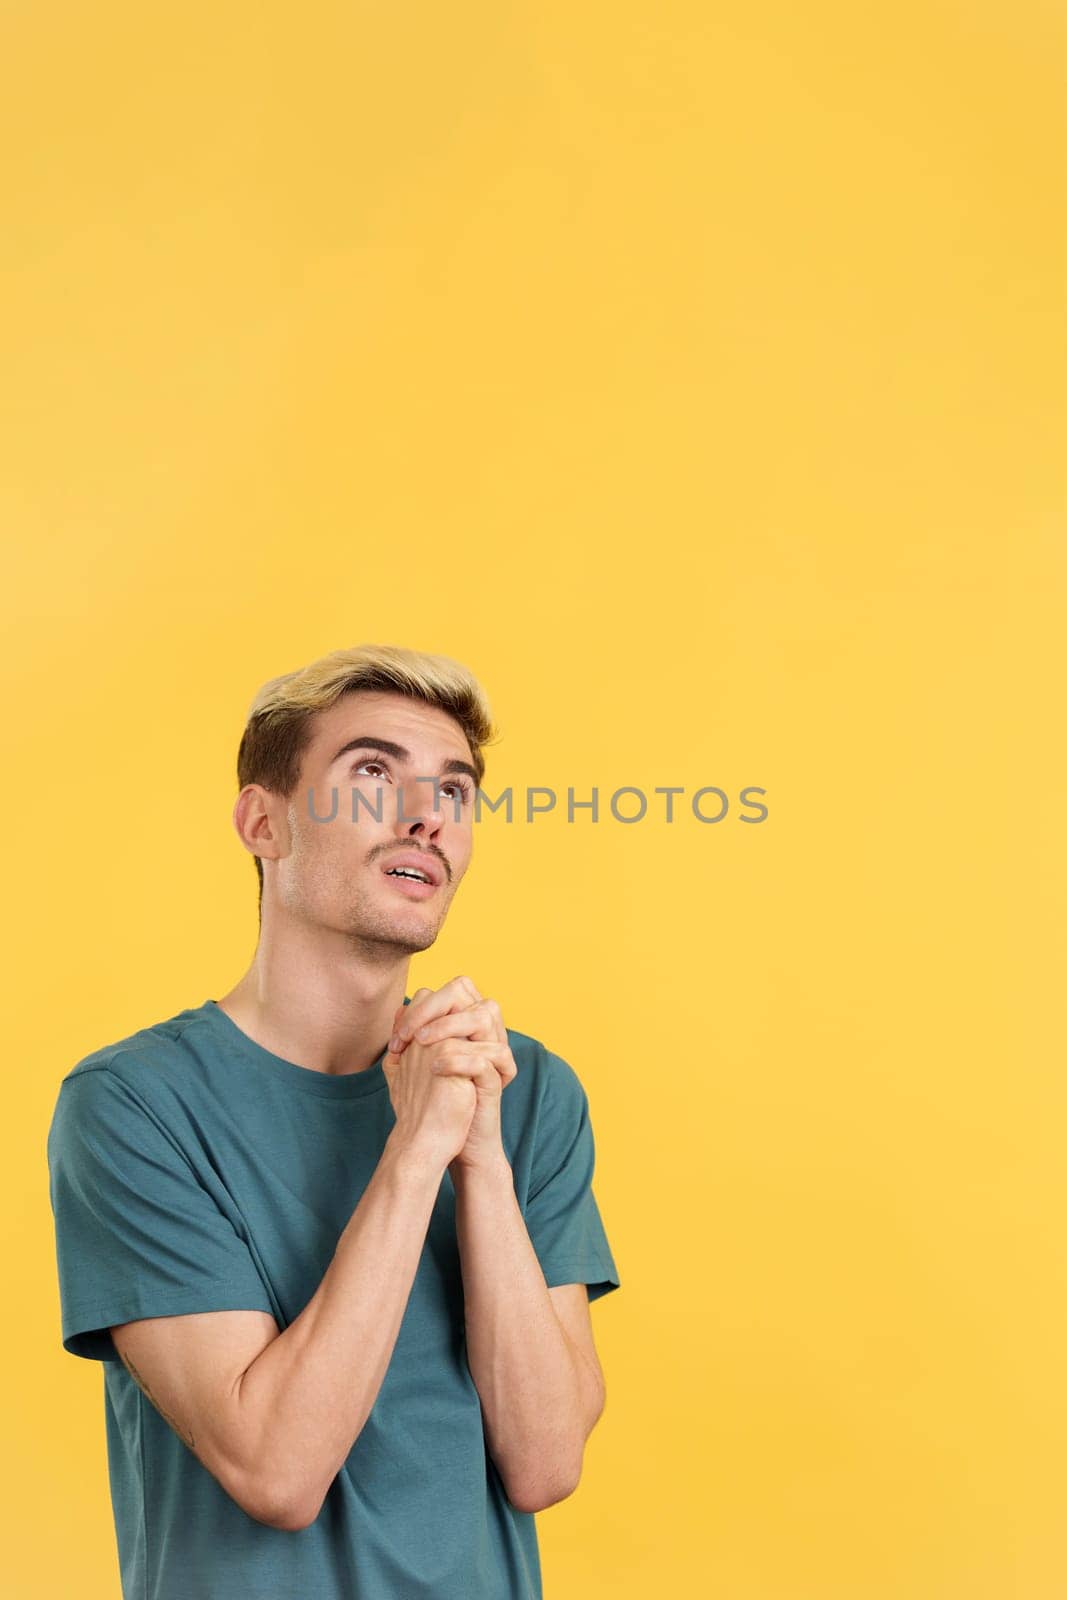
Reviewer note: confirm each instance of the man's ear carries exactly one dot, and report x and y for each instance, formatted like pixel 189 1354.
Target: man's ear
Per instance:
pixel 259 831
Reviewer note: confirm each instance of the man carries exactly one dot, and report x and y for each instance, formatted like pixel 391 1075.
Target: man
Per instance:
pixel 339 1278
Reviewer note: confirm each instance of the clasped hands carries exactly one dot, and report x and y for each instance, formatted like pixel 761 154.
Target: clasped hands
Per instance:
pixel 457 1011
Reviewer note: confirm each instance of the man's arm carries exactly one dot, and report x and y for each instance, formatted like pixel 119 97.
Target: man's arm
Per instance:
pixel 541 1387
pixel 275 1421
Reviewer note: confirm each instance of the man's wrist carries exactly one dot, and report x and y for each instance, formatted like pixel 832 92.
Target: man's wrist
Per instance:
pixel 493 1172
pixel 412 1162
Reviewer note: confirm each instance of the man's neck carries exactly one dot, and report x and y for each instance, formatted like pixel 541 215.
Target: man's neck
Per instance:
pixel 329 1022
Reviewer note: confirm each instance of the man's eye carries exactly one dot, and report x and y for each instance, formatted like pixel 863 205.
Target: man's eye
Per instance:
pixel 460 784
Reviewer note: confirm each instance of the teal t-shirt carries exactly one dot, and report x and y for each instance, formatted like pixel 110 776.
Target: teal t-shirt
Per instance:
pixel 190 1169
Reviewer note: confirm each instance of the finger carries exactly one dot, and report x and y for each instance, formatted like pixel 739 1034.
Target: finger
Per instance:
pixel 501 1031
pixel 467 1057
pixel 477 1022
pixel 401 1031
pixel 481 1021
pixel 486 1077
pixel 495 1019
pixel 404 1006
pixel 416 1000
pixel 457 995
pixel 456 1051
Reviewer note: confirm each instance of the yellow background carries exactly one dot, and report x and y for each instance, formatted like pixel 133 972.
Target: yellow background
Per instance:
pixel 695 374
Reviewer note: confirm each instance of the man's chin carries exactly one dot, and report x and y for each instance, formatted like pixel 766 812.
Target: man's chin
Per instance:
pixel 409 934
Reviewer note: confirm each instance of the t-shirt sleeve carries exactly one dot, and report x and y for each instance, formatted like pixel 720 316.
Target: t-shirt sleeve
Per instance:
pixel 562 1216
pixel 137 1232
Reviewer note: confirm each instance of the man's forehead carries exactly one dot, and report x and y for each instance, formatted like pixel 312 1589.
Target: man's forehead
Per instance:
pixel 398 718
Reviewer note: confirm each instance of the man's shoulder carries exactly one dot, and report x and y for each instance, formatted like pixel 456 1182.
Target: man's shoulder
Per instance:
pixel 137 1059
pixel 547 1072
pixel 529 1051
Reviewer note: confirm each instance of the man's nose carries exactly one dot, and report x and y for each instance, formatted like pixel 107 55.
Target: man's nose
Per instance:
pixel 419 805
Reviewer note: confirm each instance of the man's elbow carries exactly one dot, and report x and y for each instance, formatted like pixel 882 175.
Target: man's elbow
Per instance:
pixel 532 1493
pixel 289 1519
pixel 293 1521
pixel 275 1510
pixel 536 1490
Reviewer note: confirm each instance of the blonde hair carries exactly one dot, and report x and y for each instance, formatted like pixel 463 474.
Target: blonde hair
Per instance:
pixel 281 717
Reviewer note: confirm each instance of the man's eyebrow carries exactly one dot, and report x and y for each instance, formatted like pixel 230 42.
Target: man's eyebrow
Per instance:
pixel 387 747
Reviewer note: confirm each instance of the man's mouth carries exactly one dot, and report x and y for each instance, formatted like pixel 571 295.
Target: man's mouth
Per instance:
pixel 417 879
pixel 412 886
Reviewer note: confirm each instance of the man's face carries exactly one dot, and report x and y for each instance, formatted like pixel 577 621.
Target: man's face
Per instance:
pixel 335 874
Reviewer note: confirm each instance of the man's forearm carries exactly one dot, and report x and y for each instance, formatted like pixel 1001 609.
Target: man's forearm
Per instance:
pixel 305 1398
pixel 539 1398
